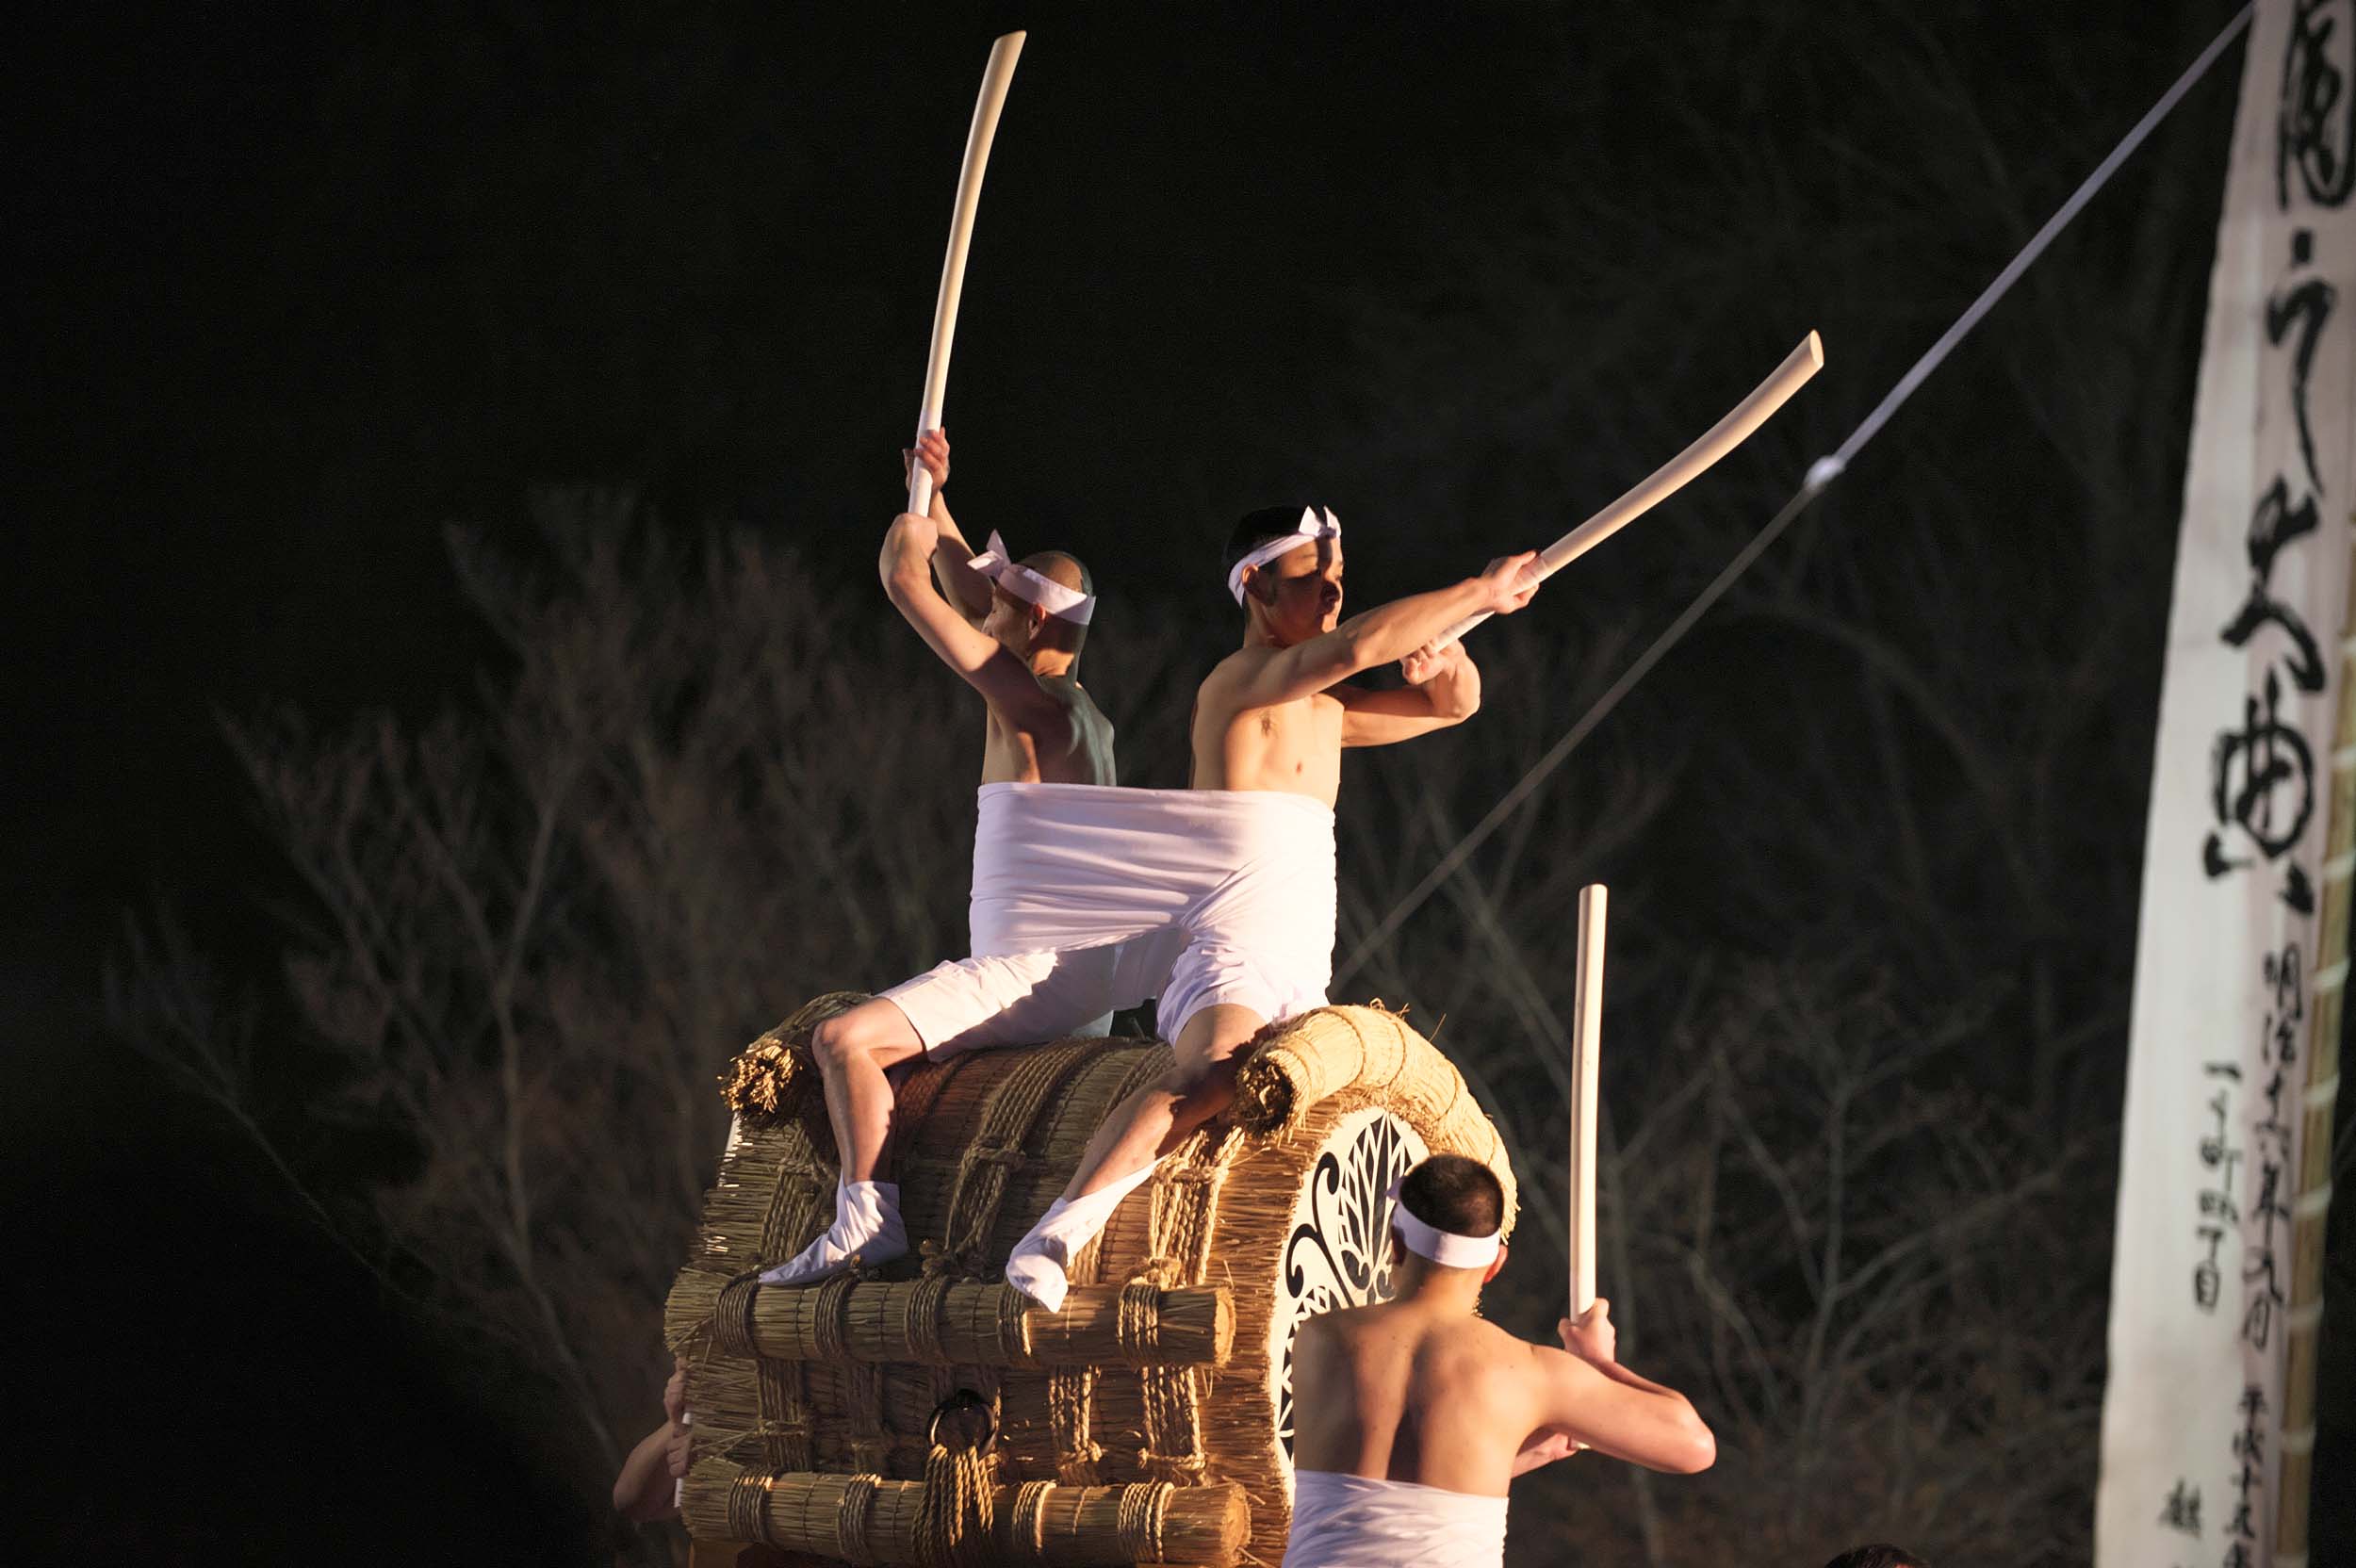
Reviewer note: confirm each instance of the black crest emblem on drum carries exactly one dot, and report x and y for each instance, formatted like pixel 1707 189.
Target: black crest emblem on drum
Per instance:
pixel 1337 1253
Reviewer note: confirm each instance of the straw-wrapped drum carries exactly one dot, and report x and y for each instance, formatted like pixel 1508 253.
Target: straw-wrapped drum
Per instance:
pixel 1151 1419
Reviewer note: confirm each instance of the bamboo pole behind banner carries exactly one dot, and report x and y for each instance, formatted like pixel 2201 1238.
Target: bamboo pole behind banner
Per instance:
pixel 2310 1206
pixel 996 78
pixel 1586 1062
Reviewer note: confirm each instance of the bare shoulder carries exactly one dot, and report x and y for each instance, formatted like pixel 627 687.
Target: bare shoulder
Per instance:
pixel 1477 1340
pixel 1492 1341
pixel 1322 1347
pixel 1338 1326
pixel 1237 668
pixel 1350 1333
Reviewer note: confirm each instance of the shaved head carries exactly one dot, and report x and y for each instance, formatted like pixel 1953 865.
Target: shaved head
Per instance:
pixel 1066 570
pixel 1058 567
pixel 1451 1193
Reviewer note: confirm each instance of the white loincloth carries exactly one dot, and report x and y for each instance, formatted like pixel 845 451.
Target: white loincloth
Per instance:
pixel 1355 1522
pixel 1088 898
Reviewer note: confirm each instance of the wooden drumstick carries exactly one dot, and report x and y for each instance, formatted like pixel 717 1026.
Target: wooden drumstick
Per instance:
pixel 996 78
pixel 1673 476
pixel 1586 1059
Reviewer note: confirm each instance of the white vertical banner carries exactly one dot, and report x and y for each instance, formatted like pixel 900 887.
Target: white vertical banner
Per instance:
pixel 2233 882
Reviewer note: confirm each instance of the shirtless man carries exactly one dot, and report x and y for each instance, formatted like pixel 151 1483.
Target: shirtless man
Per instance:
pixel 1006 632
pixel 1012 630
pixel 1274 717
pixel 1412 1416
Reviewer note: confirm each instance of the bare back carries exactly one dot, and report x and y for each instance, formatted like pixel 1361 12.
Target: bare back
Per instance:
pixel 1396 1391
pixel 1292 746
pixel 1070 743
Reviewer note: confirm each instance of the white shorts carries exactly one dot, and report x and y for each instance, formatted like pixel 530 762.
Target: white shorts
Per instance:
pixel 1028 998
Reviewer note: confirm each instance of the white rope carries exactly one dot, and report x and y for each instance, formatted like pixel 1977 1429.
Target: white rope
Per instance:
pixel 2038 242
pixel 1820 474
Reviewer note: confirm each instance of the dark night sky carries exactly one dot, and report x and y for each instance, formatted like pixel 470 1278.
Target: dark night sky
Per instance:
pixel 297 294
pixel 292 293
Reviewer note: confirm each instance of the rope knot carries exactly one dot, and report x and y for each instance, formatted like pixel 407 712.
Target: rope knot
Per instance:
pixel 1160 1272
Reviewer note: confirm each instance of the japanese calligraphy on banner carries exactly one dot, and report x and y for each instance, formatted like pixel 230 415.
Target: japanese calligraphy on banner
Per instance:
pixel 2233 934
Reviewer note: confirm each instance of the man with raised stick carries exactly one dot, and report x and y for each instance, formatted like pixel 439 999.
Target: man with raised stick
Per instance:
pixel 1412 1415
pixel 1012 630
pixel 1272 719
pixel 1217 899
pixel 1270 722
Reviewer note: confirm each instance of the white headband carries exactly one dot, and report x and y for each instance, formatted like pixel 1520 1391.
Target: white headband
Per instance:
pixel 1024 583
pixel 1308 531
pixel 1444 1248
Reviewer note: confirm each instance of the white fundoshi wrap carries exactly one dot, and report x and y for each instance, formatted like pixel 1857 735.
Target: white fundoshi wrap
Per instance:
pixel 1089 898
pixel 1067 604
pixel 1444 1248
pixel 1311 529
pixel 1342 1521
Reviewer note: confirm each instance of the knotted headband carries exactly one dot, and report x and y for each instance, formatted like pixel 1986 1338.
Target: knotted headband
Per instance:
pixel 1308 531
pixel 1068 604
pixel 1444 1248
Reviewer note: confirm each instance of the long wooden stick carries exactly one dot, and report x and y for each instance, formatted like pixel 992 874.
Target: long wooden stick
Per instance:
pixel 1673 476
pixel 2311 1202
pixel 996 78
pixel 1586 1078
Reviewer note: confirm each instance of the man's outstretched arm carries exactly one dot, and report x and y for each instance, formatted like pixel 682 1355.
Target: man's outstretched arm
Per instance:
pixel 1383 634
pixel 906 566
pixel 1443 689
pixel 1593 1400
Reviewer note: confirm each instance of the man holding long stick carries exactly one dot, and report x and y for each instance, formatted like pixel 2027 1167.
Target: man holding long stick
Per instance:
pixel 1271 723
pixel 1217 899
pixel 1012 630
pixel 1414 1415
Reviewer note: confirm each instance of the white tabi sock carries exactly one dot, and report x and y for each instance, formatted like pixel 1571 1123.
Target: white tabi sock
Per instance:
pixel 1037 1266
pixel 866 1227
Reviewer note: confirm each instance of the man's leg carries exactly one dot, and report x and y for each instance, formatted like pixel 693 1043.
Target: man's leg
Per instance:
pixel 854 1050
pixel 1141 1130
pixel 1150 1123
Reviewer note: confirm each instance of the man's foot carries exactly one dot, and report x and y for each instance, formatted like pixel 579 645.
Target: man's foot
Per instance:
pixel 866 1232
pixel 1037 1266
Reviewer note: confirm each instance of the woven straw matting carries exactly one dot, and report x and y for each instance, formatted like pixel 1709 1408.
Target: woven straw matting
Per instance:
pixel 1258 1219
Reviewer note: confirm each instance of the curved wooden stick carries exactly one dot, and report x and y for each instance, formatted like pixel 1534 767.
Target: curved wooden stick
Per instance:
pixel 1673 476
pixel 1586 1079
pixel 996 78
